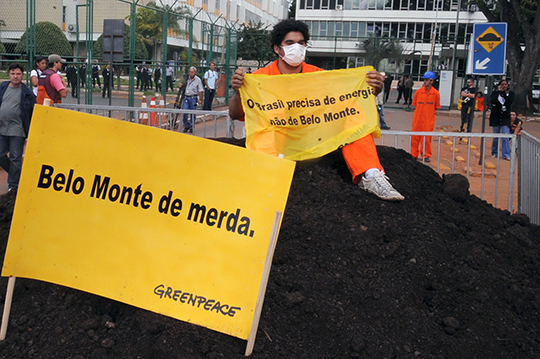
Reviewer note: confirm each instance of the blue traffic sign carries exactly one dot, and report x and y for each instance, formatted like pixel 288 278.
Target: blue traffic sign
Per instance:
pixel 489 48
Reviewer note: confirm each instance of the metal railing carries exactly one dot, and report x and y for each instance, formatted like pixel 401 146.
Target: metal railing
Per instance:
pixel 494 182
pixel 485 181
pixel 206 122
pixel 529 176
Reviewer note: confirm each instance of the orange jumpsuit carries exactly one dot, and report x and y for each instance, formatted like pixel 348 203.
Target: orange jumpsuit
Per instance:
pixel 480 103
pixel 426 103
pixel 361 155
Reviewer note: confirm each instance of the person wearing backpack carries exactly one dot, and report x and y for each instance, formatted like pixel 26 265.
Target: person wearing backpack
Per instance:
pixel 50 84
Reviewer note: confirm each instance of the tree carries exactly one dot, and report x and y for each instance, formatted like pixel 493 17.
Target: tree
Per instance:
pixel 292 9
pixel 141 53
pixel 254 44
pixel 378 48
pixel 400 55
pixel 148 26
pixel 523 44
pixel 150 20
pixel 49 40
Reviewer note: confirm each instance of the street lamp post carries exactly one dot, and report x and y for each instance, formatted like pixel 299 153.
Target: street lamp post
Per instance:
pixel 434 34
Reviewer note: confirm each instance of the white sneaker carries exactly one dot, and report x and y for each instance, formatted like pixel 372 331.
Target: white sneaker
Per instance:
pixel 378 185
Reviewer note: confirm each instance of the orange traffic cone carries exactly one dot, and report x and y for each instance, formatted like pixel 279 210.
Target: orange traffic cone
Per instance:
pixel 153 114
pixel 143 116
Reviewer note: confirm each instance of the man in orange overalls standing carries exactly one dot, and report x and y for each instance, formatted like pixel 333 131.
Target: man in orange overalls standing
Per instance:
pixel 426 100
pixel 289 40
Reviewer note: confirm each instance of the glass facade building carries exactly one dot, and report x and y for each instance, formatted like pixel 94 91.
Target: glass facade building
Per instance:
pixel 432 34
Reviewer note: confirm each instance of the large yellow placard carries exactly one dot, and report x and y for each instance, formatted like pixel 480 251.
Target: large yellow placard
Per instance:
pixel 303 116
pixel 168 222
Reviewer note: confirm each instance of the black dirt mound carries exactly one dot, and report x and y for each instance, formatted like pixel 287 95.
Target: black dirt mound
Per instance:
pixel 440 275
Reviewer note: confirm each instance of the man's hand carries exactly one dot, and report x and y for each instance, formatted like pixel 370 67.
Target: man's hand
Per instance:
pixel 236 111
pixel 237 79
pixel 376 80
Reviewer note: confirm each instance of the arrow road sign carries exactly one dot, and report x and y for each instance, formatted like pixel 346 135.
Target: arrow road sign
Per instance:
pixel 481 65
pixel 489 49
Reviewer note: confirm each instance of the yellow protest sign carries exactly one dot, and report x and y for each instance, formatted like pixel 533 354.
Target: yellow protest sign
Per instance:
pixel 305 116
pixel 168 222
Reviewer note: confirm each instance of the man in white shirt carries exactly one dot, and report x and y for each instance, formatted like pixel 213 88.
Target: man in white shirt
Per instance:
pixel 210 79
pixel 170 73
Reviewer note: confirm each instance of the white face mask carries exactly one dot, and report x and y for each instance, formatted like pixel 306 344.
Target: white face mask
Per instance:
pixel 294 54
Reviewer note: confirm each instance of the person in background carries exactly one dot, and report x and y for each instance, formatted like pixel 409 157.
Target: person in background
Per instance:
pixel 480 100
pixel 210 81
pixel 380 110
pixel 407 92
pixel 436 83
pixel 50 84
pixel 71 75
pixel 170 79
pixel 157 78
pixel 138 77
pixel 289 40
pixel 41 65
pixel 426 100
pixel 468 97
pixel 82 74
pixel 16 106
pixel 517 124
pixel 400 88
pixel 501 101
pixel 106 73
pixel 147 71
pixel 95 75
pixel 192 97
pixel 387 87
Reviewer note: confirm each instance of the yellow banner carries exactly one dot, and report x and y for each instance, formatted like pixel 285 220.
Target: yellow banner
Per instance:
pixel 305 116
pixel 167 222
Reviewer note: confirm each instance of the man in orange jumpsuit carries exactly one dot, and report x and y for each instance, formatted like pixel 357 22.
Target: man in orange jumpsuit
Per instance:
pixel 289 40
pixel 427 99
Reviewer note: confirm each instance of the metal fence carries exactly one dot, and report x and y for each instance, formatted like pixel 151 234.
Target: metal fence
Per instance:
pixel 155 36
pixel 208 124
pixel 490 179
pixel 529 176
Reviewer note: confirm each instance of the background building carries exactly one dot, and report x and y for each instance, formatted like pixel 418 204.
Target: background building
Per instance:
pixel 339 28
pixel 70 15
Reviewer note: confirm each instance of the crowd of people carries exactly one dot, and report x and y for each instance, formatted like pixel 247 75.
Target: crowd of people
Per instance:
pixel 49 86
pixel 148 78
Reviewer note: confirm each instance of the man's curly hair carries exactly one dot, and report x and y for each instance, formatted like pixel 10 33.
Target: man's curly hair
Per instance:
pixel 282 28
